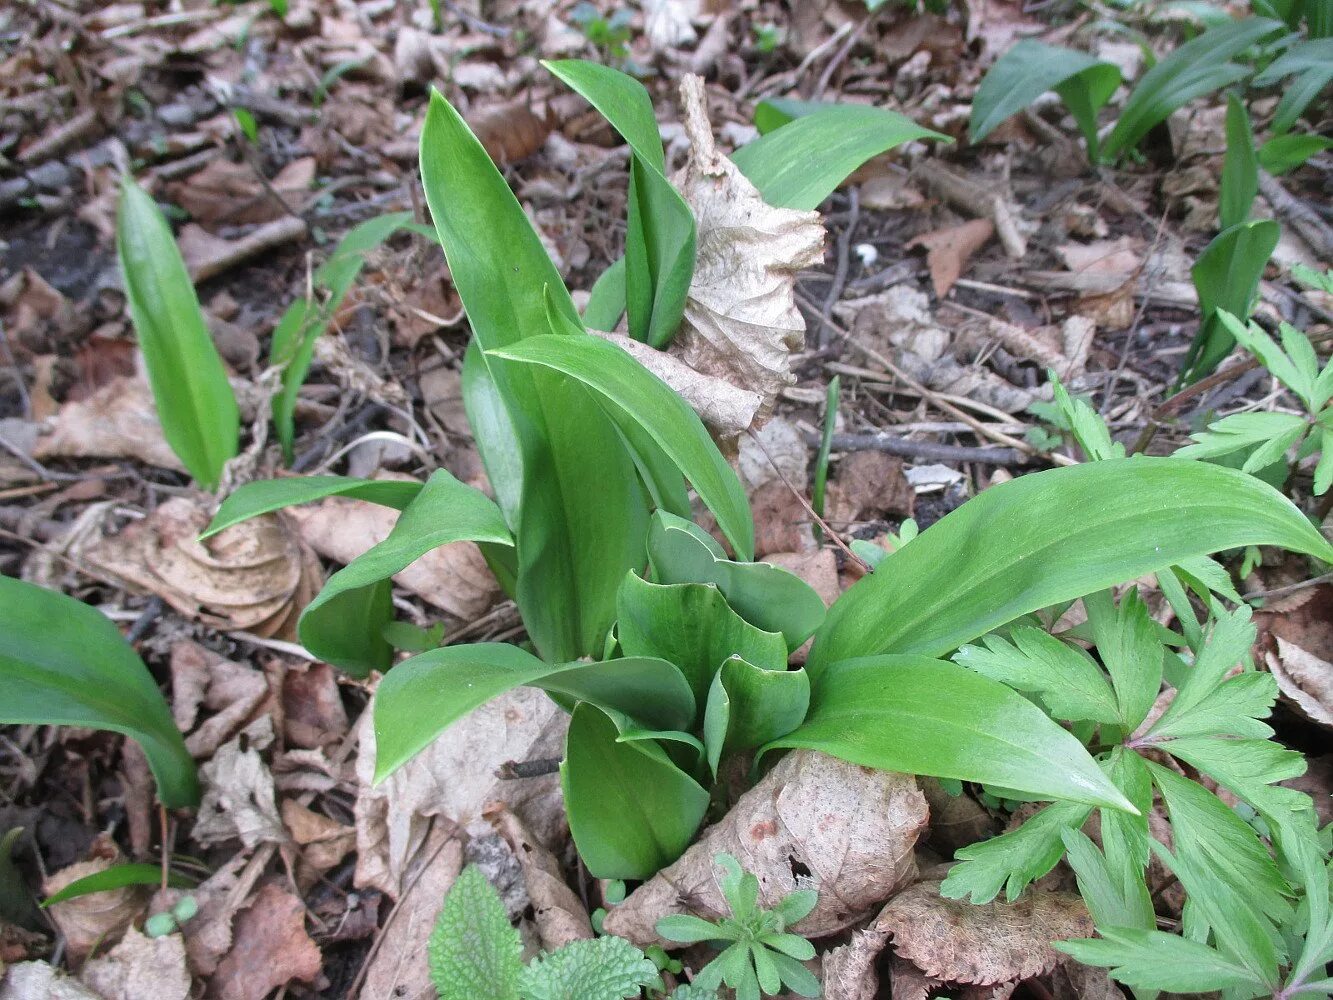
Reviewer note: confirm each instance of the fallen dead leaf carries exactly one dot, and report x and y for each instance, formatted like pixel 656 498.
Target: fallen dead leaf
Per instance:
pixel 818 568
pixel 324 841
pixel 207 256
pixel 559 915
pixel 455 778
pixel 849 969
pixel 869 485
pixel 400 967
pixel 312 709
pixel 907 982
pixel 1306 679
pixel 270 949
pixel 99 917
pixel 140 967
pixel 955 820
pixel 1073 981
pixel 847 830
pixel 741 322
pixel 996 942
pixel 239 799
pixel 255 576
pixel 453 577
pixel 781 522
pixel 231 193
pixel 949 250
pixel 39 981
pixel 202 678
pixel 118 420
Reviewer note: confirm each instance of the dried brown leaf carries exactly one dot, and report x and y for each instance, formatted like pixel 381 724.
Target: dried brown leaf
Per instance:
pixel 140 967
pixel 238 801
pixel 1306 679
pixel 948 251
pixel 98 917
pixel 996 942
pixel 232 690
pixel 116 421
pixel 557 910
pixel 312 709
pixel 849 969
pixel 741 321
pixel 852 829
pixel 869 485
pixel 324 841
pixel 907 982
pixel 270 948
pixel 39 981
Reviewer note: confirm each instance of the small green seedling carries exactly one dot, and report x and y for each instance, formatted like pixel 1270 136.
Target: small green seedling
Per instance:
pixel 762 956
pixel 610 33
pixel 475 954
pixel 162 924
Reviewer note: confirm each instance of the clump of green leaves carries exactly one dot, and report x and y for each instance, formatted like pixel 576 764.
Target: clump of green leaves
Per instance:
pixel 761 955
pixel 475 954
pixel 610 33
pixel 1265 436
pixel 1242 870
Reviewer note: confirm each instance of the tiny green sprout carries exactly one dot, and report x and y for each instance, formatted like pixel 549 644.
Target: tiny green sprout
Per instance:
pixel 162 924
pixel 767 37
pixel 246 123
pixel 762 958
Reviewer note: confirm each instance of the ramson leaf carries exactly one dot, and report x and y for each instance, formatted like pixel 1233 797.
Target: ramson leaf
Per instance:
pixel 606 968
pixel 1015 859
pixel 474 953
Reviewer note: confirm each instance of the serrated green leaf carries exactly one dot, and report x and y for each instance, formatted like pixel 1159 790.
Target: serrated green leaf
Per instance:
pixel 193 397
pixel 1087 425
pixel 1066 680
pixel 1049 537
pixel 631 394
pixel 1153 960
pixel 607 968
pixel 1031 68
pixel 1015 859
pixel 924 716
pixel 1198 67
pixel 62 663
pixel 1114 898
pixel 423 695
pixel 473 952
pixel 631 811
pixel 800 164
pixel 1126 638
pixel 1270 434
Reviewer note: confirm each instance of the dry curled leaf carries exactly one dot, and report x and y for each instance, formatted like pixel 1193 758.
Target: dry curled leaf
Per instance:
pixel 232 193
pixel 202 678
pixel 270 948
pixel 560 916
pixel 140 967
pixel 453 577
pixel 948 251
pixel 118 420
pixel 869 485
pixel 996 942
pixel 255 576
pixel 813 822
pixel 238 801
pixel 741 321
pixel 39 981
pixel 849 969
pixel 400 967
pixel 1305 679
pixel 455 778
pixel 99 917
pixel 907 982
pixel 324 842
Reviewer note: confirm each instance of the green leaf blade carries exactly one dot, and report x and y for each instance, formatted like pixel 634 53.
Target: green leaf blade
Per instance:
pixel 473 952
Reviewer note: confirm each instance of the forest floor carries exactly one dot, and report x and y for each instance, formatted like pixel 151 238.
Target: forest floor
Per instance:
pixel 955 276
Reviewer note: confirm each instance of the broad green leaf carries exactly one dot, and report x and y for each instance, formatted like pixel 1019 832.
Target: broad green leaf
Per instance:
pixel 749 706
pixel 772 113
pixel 606 300
pixel 1015 859
pixel 1226 276
pixel 63 663
pixel 444 511
pixel 305 320
pixel 1240 167
pixel 1126 638
pixel 633 395
pixel 1311 63
pixel 1284 153
pixel 1050 537
pixel 802 163
pixel 582 514
pixel 1030 69
pixel 267 495
pixel 493 429
pixel 631 811
pixel 422 696
pixel 768 597
pixel 692 626
pixel 473 952
pixel 1323 471
pixel 924 716
pixel 1155 960
pixel 1067 681
pixel 660 236
pixel 605 968
pixel 118 877
pixel 194 401
pixel 1198 67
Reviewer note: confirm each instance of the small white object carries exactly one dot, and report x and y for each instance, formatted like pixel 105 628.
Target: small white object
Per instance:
pixel 867 253
pixel 929 478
